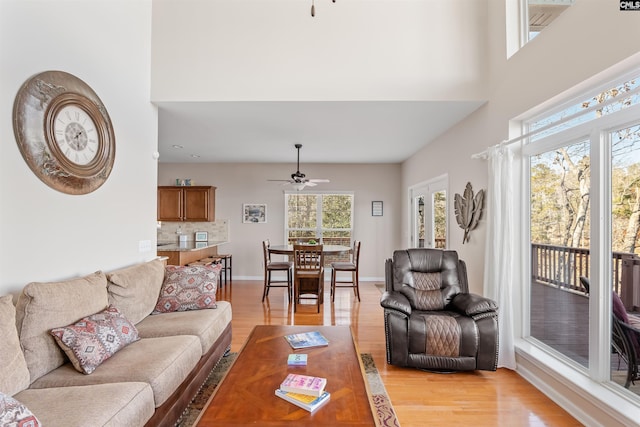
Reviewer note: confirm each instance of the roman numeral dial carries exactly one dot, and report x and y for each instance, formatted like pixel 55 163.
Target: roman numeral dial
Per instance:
pixel 76 134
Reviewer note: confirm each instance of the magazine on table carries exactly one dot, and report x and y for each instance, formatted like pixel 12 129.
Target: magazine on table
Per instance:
pixel 306 340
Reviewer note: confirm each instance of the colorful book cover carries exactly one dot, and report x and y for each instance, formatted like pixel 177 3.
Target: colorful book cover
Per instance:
pixel 304 384
pixel 306 340
pixel 309 403
pixel 297 360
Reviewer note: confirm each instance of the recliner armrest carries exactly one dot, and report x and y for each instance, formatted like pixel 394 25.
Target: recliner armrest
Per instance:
pixel 472 304
pixel 395 301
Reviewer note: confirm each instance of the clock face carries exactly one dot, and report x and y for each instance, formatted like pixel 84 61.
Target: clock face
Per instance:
pixel 76 135
pixel 64 132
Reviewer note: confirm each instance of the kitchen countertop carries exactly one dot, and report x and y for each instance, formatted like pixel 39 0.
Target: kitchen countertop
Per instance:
pixel 187 246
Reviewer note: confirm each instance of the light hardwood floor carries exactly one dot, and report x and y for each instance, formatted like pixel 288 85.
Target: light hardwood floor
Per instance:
pixel 419 398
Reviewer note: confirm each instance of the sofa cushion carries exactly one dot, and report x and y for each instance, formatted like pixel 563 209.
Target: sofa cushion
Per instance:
pixel 106 405
pixel 43 306
pixel 15 414
pixel 95 338
pixel 188 288
pixel 163 363
pixel 14 375
pixel 134 290
pixel 207 325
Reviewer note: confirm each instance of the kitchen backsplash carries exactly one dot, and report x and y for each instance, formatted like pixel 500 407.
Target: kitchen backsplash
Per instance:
pixel 169 231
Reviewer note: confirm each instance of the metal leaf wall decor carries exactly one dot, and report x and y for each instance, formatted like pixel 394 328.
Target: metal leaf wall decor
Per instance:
pixel 468 210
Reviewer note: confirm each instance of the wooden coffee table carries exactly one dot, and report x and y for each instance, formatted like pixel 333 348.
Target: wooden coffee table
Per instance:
pixel 246 394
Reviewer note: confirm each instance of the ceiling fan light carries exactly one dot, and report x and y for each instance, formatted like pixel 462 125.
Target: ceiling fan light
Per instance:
pixel 298 186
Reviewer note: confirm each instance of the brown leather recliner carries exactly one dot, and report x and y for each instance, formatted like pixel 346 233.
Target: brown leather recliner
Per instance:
pixel 431 320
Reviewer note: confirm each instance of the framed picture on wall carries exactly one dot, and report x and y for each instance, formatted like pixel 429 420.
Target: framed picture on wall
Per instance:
pixel 254 212
pixel 202 236
pixel 376 208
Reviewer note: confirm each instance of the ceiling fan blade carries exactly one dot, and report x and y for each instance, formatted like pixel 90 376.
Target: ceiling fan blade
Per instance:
pixel 298 180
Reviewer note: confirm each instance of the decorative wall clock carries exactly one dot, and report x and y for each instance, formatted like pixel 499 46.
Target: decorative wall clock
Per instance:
pixel 64 132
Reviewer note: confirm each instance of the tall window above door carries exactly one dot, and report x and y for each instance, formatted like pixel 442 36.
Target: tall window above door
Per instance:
pixel 540 13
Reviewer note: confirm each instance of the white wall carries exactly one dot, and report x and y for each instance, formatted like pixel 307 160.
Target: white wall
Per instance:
pixel 46 235
pixel 247 183
pixel 254 50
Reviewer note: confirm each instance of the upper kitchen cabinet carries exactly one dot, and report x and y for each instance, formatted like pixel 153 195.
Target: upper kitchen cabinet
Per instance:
pixel 195 203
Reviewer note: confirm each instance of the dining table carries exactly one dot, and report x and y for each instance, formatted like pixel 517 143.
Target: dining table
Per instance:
pixel 326 249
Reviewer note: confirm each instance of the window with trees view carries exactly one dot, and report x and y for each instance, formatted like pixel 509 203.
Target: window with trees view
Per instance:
pixel 324 217
pixel 584 164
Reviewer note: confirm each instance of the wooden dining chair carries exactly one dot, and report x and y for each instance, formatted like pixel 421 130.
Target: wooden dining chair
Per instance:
pixel 270 267
pixel 308 273
pixel 352 267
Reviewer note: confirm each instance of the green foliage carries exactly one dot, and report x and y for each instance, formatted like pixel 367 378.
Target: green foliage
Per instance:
pixel 326 216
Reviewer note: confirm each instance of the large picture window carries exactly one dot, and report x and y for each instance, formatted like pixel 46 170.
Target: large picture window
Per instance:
pixel 583 162
pixel 324 217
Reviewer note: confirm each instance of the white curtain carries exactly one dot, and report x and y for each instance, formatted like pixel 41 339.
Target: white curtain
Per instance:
pixel 500 260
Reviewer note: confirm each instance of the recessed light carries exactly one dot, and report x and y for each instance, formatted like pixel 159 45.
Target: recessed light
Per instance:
pixel 176 146
pixel 195 156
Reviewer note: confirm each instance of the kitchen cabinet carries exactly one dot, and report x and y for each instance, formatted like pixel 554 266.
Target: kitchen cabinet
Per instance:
pixel 195 203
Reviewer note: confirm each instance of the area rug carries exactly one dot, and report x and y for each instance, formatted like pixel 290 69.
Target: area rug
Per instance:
pixel 379 396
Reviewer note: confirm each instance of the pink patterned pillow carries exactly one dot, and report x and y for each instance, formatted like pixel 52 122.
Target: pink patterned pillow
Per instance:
pixel 94 339
pixel 15 414
pixel 188 288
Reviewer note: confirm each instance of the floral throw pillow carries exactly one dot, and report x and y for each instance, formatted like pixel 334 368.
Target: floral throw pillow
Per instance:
pixel 15 414
pixel 188 288
pixel 93 339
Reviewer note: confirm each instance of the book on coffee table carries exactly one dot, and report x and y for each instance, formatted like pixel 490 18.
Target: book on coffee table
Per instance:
pixel 309 403
pixel 306 340
pixel 304 384
pixel 297 359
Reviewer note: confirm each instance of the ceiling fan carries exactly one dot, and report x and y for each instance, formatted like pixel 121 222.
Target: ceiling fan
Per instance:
pixel 298 180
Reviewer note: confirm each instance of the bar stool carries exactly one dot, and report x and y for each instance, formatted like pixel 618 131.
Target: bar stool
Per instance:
pixel 227 260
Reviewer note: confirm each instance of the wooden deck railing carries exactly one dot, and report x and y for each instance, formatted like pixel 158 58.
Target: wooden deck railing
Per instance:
pixel 562 267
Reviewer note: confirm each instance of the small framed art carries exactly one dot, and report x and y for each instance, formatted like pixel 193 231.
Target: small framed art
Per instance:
pixel 376 208
pixel 254 212
pixel 201 236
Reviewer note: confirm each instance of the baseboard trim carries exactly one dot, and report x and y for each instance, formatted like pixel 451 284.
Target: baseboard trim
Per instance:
pixel 591 403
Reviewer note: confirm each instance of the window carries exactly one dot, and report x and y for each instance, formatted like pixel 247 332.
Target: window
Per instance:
pixel 583 162
pixel 429 214
pixel 540 13
pixel 324 217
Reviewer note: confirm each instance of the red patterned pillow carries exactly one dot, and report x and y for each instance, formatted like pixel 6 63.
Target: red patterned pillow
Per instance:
pixel 188 288
pixel 14 413
pixel 94 339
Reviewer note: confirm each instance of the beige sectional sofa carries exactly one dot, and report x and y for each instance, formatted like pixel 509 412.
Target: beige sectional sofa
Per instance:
pixel 148 382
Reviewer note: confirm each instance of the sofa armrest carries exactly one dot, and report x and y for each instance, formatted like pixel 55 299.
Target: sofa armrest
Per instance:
pixel 395 301
pixel 472 304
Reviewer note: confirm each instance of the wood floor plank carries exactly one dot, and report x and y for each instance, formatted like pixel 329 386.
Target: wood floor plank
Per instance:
pixel 500 398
